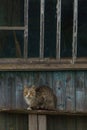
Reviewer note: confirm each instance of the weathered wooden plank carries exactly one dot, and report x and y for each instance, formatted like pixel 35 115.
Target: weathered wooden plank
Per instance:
pixel 11 90
pixel 19 90
pixel 14 122
pixel 58 36
pixel 11 28
pixel 81 123
pixel 56 123
pixel 70 88
pixel 41 65
pixel 21 122
pixel 32 122
pixel 2 91
pixel 42 122
pixel 36 78
pixel 50 124
pixel 70 91
pixel 75 26
pixel 85 85
pixel 59 123
pixel 39 78
pixel 2 121
pixel 59 84
pixel 42 28
pixel 44 112
pixel 80 91
pixel 70 123
pixel 10 122
pixel 42 78
pixel 30 78
pixel 49 79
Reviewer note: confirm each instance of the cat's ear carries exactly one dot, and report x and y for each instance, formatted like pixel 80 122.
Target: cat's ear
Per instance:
pixel 25 87
pixel 33 86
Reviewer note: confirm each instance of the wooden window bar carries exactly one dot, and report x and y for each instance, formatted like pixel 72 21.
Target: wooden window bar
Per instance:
pixel 26 7
pixel 75 26
pixel 58 36
pixel 43 63
pixel 42 28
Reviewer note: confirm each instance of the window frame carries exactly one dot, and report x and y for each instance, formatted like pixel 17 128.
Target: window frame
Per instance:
pixel 41 63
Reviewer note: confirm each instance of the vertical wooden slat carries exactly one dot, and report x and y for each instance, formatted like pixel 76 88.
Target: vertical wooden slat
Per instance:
pixel 70 91
pixel 2 121
pixel 11 121
pixel 75 25
pixel 58 37
pixel 42 78
pixel 26 28
pixel 42 28
pixel 3 91
pixel 85 82
pixel 32 122
pixel 19 91
pixel 36 78
pixel 42 123
pixel 49 79
pixel 80 123
pixel 80 91
pixel 71 123
pixel 59 87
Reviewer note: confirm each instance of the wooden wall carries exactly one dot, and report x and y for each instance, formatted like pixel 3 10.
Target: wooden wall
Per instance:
pixel 13 121
pixel 69 86
pixel 66 123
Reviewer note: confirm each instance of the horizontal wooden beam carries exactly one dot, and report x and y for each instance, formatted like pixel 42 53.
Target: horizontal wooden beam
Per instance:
pixel 11 28
pixel 41 64
pixel 43 112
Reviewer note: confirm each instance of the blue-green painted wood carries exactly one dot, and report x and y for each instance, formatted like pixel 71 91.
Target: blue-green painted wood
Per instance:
pixel 80 91
pixel 70 88
pixel 59 87
pixel 69 91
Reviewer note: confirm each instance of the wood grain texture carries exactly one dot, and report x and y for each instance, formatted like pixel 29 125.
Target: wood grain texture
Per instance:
pixel 46 64
pixel 42 122
pixel 58 34
pixel 70 91
pixel 32 122
pixel 42 28
pixel 58 83
pixel 9 121
pixel 69 86
pixel 80 91
pixel 26 28
pixel 85 85
pixel 75 26
pixel 2 121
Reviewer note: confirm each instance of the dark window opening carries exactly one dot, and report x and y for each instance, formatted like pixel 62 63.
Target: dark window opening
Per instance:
pixel 11 12
pixel 11 44
pixel 66 27
pixel 82 29
pixel 34 28
pixel 50 28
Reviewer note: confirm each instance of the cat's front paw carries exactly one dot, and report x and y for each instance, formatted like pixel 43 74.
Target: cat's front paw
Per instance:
pixel 29 108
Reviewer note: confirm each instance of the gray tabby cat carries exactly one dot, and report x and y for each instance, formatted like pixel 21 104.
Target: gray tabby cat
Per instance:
pixel 41 97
